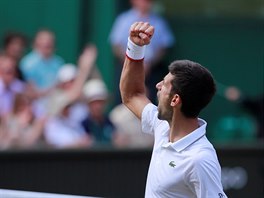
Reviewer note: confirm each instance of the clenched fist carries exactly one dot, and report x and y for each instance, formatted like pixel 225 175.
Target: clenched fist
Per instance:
pixel 141 33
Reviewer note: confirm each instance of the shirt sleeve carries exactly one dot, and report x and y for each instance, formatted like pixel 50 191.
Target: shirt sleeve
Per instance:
pixel 149 118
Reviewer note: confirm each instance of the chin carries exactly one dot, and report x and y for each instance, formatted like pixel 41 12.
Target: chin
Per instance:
pixel 160 116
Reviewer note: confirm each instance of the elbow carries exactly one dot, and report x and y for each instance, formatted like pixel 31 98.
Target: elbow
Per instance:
pixel 125 98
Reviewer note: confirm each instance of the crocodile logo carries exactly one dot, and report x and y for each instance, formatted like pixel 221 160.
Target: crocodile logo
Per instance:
pixel 172 164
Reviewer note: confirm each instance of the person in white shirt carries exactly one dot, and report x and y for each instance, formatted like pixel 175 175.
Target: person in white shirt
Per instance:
pixel 184 163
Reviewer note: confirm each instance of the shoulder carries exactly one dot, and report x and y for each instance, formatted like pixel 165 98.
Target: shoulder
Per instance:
pixel 53 122
pixel 204 161
pixel 18 85
pixel 58 59
pixel 29 60
pixel 203 150
pixel 30 56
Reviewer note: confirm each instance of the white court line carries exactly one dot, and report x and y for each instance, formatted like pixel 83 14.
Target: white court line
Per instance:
pixel 4 193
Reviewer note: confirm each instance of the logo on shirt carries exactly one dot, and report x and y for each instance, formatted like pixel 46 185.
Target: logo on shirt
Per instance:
pixel 172 164
pixel 220 195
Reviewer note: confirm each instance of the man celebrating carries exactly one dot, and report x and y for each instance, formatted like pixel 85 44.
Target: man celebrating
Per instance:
pixel 184 163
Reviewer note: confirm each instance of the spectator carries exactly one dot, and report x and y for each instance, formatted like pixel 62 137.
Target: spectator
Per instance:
pixel 129 129
pixel 9 84
pixel 41 66
pixel 62 129
pixel 253 105
pixel 22 128
pixel 14 45
pixel 97 124
pixel 63 132
pixel 3 132
pixel 142 10
pixel 70 81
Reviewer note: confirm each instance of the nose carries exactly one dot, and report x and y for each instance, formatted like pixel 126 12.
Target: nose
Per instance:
pixel 158 85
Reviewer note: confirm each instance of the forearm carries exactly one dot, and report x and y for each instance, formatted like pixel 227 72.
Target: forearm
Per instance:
pixel 75 91
pixel 85 63
pixel 132 80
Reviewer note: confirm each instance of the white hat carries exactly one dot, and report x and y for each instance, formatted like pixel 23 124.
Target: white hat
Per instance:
pixel 67 73
pixel 95 89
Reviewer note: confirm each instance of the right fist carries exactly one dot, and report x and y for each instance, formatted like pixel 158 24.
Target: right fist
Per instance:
pixel 141 33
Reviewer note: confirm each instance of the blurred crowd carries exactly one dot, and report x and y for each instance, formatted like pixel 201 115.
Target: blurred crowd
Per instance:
pixel 46 102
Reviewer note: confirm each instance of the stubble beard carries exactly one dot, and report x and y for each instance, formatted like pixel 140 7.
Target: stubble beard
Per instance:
pixel 165 113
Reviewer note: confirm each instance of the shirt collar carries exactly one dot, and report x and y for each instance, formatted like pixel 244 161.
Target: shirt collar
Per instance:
pixel 188 139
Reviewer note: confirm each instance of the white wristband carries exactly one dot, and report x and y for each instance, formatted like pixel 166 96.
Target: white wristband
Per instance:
pixel 135 52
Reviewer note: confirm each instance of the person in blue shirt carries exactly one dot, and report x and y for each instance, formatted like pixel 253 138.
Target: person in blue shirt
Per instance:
pixel 41 65
pixel 142 10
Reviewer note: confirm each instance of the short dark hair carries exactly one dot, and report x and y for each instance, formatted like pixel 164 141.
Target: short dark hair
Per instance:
pixel 10 36
pixel 194 84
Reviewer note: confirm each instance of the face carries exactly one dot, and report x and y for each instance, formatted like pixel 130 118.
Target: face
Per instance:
pixel 165 110
pixel 97 107
pixel 15 48
pixel 7 70
pixel 143 5
pixel 44 44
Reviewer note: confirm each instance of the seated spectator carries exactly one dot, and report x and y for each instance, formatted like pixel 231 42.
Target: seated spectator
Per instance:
pixel 22 128
pixel 9 84
pixel 129 129
pixel 61 94
pixel 3 133
pixel 41 66
pixel 97 124
pixel 253 105
pixel 70 81
pixel 245 124
pixel 14 45
pixel 63 130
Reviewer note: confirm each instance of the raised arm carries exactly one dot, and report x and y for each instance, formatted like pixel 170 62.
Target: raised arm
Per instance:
pixel 85 65
pixel 132 86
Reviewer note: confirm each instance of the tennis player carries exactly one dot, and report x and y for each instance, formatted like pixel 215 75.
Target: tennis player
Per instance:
pixel 184 163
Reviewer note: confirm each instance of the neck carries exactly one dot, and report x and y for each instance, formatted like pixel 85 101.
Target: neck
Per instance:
pixel 181 126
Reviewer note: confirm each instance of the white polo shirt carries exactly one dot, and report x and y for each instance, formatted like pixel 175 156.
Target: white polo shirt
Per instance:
pixel 188 168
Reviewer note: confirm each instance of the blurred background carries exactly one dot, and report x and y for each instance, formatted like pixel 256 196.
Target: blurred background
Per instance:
pixel 227 37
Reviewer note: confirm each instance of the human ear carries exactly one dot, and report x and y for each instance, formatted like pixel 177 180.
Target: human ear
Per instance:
pixel 176 99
